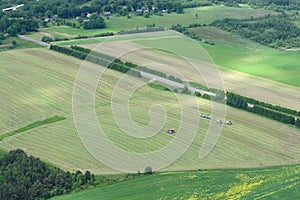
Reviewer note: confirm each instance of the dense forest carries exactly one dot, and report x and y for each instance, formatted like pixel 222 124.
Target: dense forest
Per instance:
pixel 274 31
pixel 77 8
pixel 25 177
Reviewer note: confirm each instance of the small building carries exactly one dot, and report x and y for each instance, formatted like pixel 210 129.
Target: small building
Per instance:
pixel 47 19
pixel 107 14
pixel 88 15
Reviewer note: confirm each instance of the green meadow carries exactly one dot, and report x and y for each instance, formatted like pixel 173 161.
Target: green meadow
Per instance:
pixel 247 57
pixel 21 44
pixel 265 183
pixel 281 66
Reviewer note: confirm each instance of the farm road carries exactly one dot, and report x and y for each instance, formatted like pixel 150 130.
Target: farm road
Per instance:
pixel 33 40
pixel 175 84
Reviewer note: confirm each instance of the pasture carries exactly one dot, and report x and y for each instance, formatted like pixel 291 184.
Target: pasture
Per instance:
pixel 223 38
pixel 265 183
pixel 271 64
pixel 280 66
pixel 239 54
pixel 38 83
pixel 116 24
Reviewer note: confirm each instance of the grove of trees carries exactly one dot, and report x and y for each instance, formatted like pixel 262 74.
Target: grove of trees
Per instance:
pixel 273 31
pixel 277 113
pixel 25 177
pixel 95 21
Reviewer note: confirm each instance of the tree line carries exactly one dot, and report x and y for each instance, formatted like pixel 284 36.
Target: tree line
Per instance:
pixel 273 4
pixel 25 177
pixel 185 30
pixel 272 107
pixel 277 113
pixel 132 68
pixel 114 64
pixel 111 62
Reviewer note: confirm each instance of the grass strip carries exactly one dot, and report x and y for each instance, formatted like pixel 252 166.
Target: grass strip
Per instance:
pixel 32 125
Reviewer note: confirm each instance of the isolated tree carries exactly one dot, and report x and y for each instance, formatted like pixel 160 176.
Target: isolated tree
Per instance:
pixel 148 170
pixel 14 43
pixel 87 176
pixel 185 90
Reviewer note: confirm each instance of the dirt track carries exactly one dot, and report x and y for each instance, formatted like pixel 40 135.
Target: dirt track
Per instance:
pixel 35 41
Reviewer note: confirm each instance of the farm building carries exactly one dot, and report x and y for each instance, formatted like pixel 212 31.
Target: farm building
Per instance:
pixel 107 14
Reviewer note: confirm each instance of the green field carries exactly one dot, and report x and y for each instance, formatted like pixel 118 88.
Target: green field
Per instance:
pixel 126 37
pixel 38 84
pixel 275 65
pixel 247 57
pixel 234 52
pixel 116 24
pixel 265 183
pixel 21 44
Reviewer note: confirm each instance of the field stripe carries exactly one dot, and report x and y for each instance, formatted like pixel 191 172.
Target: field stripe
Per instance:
pixel 32 126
